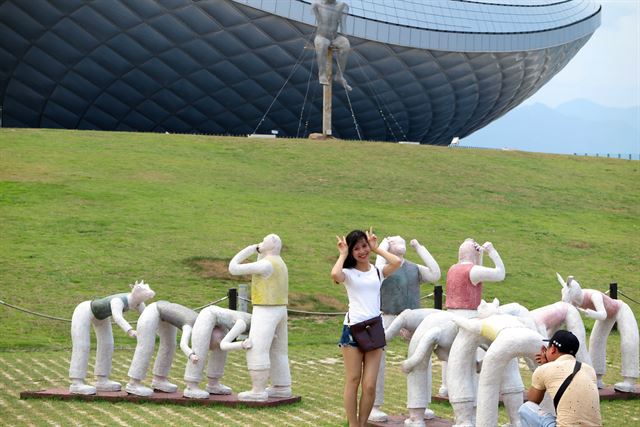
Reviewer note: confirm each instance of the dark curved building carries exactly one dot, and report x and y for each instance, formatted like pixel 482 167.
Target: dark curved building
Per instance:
pixel 422 70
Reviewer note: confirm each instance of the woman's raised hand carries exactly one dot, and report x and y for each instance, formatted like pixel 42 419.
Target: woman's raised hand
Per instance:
pixel 343 248
pixel 372 239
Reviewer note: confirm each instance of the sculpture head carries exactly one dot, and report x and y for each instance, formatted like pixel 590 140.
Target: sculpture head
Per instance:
pixel 140 292
pixel 270 245
pixel 486 309
pixel 571 290
pixel 359 248
pixel 397 246
pixel 470 251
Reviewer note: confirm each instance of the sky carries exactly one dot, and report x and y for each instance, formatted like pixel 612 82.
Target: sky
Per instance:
pixel 606 70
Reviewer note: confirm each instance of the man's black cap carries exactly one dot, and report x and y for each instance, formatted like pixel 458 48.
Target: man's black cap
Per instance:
pixel 565 342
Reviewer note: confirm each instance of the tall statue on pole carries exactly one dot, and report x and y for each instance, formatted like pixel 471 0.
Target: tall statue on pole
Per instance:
pixel 330 16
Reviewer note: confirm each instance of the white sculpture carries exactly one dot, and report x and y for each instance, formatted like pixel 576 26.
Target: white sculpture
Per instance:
pixel 98 313
pixel 163 318
pixel 606 311
pixel 508 338
pixel 435 332
pixel 399 292
pixel 268 357
pixel 330 16
pixel 214 332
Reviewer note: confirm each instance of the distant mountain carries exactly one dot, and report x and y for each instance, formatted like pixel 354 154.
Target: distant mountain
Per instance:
pixel 578 126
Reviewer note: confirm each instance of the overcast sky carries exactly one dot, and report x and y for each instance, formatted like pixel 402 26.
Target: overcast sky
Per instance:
pixel 607 69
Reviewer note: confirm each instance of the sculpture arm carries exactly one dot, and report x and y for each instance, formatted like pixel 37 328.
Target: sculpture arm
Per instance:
pixel 228 344
pixel 140 307
pixel 485 274
pixel 184 341
pixel 316 12
pixel 380 261
pixel 262 267
pixel 343 18
pixel 599 313
pixel 430 272
pixel 117 307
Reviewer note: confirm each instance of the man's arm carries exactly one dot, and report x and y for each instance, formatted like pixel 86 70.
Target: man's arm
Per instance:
pixel 485 274
pixel 262 267
pixel 534 395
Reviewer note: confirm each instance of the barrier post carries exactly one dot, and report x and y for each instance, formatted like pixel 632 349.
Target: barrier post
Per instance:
pixel 233 299
pixel 437 297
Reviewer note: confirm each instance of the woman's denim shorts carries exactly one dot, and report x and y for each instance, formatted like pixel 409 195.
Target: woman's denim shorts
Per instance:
pixel 346 340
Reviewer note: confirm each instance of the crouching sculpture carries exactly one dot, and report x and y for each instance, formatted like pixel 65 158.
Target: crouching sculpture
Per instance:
pixel 214 332
pixel 163 318
pixel 268 358
pixel 606 311
pixel 98 313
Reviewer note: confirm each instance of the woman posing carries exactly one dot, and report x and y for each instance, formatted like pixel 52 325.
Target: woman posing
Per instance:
pixel 362 281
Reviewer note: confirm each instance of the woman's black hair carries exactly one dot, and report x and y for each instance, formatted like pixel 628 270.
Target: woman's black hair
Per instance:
pixel 352 239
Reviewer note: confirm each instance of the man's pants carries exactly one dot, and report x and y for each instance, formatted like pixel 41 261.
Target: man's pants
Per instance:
pixel 531 415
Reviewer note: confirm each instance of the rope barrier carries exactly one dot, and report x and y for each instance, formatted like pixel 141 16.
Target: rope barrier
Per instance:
pixel 627 297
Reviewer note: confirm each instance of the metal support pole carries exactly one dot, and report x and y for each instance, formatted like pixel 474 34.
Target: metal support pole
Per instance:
pixel 327 96
pixel 233 299
pixel 437 297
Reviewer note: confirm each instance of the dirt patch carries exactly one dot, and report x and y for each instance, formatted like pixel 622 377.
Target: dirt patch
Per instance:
pixel 579 245
pixel 214 268
pixel 311 302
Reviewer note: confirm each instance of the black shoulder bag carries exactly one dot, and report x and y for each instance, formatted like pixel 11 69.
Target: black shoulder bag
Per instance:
pixel 565 384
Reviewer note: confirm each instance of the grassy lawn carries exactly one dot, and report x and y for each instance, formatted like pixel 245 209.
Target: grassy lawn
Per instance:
pixel 83 214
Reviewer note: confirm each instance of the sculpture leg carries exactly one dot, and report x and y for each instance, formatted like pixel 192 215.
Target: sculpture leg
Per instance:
pixel 104 355
pixel 418 368
pixel 146 340
pixel 628 328
pixel 461 374
pixel 598 347
pixel 200 343
pixel 377 415
pixel 215 367
pixel 280 373
pixel 81 339
pixel 343 47
pixel 166 352
pixel 322 45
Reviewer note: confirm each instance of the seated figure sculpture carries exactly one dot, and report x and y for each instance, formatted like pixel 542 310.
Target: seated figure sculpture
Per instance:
pixel 507 337
pixel 99 313
pixel 606 311
pixel 214 332
pixel 330 16
pixel 398 292
pixel 163 318
pixel 268 358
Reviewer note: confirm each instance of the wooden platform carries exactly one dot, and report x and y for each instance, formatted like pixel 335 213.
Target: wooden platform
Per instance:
pixel 607 393
pixel 157 397
pixel 398 421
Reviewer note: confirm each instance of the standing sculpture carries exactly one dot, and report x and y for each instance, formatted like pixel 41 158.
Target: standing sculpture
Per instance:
pixel 209 337
pixel 330 17
pixel 163 318
pixel 98 313
pixel 399 292
pixel 606 311
pixel 268 358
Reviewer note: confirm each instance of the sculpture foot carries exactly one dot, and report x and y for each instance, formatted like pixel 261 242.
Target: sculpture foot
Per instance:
pixel 625 387
pixel 164 385
pixel 218 389
pixel 600 383
pixel 323 81
pixel 377 416
pixel 344 83
pixel 107 385
pixel 279 392
pixel 138 390
pixel 82 389
pixel 250 396
pixel 443 392
pixel 410 422
pixel 195 393
pixel 429 414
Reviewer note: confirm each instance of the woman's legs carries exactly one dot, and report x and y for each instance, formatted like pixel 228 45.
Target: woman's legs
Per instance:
pixel 371 365
pixel 353 359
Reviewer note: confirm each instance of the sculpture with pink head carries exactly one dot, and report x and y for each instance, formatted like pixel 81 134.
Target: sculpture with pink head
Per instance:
pixel 606 312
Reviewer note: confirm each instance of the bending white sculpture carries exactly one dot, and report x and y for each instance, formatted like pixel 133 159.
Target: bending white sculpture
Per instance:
pixel 268 358
pixel 399 292
pixel 163 318
pixel 209 336
pixel 606 311
pixel 98 313
pixel 508 338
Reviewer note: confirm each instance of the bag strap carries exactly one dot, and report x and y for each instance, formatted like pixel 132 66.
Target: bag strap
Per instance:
pixel 565 384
